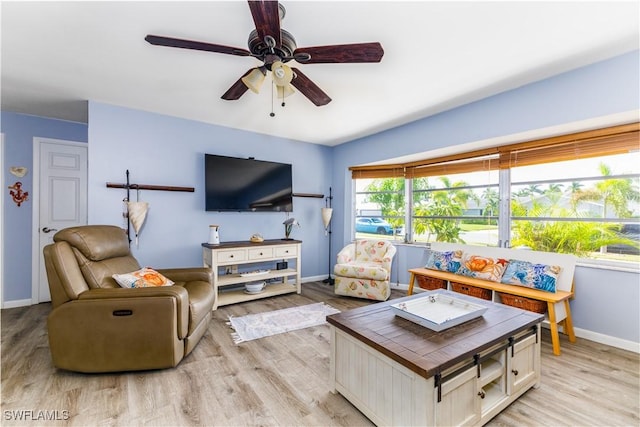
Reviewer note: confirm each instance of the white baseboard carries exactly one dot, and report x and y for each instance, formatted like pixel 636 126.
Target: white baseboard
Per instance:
pixel 17 303
pixel 314 278
pixel 607 339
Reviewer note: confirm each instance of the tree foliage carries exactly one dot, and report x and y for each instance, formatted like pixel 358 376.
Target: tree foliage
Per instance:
pixel 449 201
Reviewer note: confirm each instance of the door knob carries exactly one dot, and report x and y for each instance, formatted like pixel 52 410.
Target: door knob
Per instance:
pixel 48 230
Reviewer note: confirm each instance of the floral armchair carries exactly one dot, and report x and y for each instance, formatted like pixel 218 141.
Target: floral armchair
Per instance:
pixel 364 268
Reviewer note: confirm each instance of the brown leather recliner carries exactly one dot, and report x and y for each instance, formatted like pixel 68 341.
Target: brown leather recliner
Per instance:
pixel 97 326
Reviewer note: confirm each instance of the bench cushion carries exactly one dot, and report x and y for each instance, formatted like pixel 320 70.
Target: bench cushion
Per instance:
pixel 531 275
pixel 482 267
pixel 449 261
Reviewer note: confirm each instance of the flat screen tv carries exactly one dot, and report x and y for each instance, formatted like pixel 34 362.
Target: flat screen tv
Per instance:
pixel 247 185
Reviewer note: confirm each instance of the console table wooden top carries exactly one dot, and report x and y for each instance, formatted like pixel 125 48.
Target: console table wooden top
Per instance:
pixel 422 350
pixel 247 243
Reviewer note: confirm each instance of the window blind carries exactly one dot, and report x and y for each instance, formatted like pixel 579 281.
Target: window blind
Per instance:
pixel 593 143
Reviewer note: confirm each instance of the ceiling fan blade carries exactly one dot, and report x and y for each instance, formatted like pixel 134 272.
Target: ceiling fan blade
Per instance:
pixel 190 44
pixel 340 53
pixel 309 88
pixel 237 89
pixel 267 19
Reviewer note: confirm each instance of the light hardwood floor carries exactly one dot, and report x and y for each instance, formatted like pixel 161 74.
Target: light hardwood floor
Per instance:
pixel 280 380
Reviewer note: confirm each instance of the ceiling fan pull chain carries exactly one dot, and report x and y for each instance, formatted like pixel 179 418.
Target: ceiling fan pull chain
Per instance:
pixel 272 114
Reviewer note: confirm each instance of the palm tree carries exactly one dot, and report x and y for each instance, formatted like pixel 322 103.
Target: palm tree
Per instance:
pixel 553 193
pixel 491 202
pixel 573 190
pixel 578 237
pixel 450 201
pixel 616 193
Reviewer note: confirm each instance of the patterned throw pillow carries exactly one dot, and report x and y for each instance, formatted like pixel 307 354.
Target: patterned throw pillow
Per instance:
pixel 444 261
pixel 143 278
pixel 530 275
pixel 481 267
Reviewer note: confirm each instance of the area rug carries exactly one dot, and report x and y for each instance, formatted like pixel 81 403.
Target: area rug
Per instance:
pixel 254 326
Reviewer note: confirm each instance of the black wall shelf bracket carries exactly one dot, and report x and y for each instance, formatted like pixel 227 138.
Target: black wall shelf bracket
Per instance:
pixel 128 186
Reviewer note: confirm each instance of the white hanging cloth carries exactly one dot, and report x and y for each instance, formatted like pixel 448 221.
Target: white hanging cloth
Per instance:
pixel 137 214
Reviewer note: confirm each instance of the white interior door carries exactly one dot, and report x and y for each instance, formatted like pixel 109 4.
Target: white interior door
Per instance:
pixel 62 198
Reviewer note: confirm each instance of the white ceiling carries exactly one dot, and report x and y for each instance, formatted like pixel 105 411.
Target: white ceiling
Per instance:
pixel 438 55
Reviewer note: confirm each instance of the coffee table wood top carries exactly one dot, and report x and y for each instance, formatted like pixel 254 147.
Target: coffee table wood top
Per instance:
pixel 422 350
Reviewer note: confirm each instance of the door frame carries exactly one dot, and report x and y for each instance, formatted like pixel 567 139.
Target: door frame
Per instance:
pixel 35 217
pixel 2 165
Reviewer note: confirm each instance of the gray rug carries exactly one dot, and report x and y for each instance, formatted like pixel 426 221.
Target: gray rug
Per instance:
pixel 254 326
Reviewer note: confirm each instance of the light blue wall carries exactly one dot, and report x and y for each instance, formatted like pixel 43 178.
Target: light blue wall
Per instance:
pixel 162 150
pixel 19 131
pixel 604 88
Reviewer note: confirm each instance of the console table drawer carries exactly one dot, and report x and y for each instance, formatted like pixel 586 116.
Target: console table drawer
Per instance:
pixel 285 251
pixel 260 253
pixel 231 256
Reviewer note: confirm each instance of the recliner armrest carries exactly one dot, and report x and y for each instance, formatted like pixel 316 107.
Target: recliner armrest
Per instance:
pixel 179 293
pixel 194 274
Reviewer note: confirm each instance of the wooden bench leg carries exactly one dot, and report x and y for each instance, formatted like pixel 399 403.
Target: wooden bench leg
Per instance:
pixel 411 279
pixel 568 323
pixel 553 323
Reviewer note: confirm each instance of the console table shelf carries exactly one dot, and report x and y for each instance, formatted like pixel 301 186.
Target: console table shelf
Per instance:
pixel 233 296
pixel 245 255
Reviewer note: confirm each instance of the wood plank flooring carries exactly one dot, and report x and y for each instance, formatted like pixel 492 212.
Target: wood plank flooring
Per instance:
pixel 278 381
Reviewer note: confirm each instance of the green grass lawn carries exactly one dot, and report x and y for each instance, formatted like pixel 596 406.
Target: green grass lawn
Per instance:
pixel 477 227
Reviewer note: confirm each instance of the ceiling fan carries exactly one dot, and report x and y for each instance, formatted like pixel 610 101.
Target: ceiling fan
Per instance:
pixel 275 47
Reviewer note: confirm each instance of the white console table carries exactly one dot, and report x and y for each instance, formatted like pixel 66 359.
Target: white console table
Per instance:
pixel 229 260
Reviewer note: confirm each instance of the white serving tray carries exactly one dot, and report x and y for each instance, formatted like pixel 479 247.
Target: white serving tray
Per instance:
pixel 254 273
pixel 438 311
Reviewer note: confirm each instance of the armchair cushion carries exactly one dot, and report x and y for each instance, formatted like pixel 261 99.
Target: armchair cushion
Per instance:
pixel 362 270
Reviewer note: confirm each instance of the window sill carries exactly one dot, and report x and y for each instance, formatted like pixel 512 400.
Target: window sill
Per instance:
pixel 628 267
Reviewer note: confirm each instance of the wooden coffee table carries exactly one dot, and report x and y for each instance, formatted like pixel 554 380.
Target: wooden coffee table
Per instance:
pixel 397 372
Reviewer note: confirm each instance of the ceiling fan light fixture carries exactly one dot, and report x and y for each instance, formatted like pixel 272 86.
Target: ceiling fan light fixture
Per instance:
pixel 284 91
pixel 282 74
pixel 254 79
